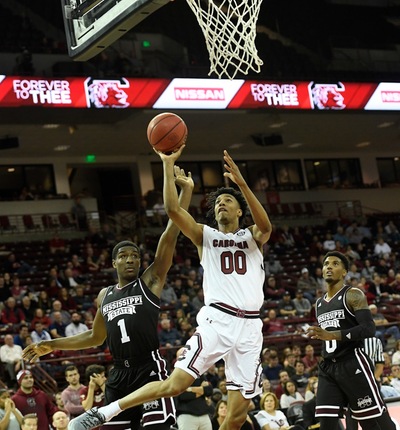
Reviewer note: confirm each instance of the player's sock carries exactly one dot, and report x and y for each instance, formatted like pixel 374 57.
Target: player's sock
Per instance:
pixel 111 410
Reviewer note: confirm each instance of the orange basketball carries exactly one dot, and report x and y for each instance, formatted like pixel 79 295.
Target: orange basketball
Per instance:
pixel 167 132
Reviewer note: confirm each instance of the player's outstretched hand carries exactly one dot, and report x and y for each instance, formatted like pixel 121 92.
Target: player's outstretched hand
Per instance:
pixel 233 172
pixel 182 179
pixel 32 352
pixel 170 157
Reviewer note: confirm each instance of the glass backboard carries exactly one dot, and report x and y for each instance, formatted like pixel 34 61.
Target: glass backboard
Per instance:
pixel 93 25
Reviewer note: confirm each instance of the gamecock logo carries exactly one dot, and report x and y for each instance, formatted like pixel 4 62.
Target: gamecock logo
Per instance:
pixel 327 96
pixel 107 93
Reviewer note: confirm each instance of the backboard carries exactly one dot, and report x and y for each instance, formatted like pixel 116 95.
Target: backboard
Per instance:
pixel 93 25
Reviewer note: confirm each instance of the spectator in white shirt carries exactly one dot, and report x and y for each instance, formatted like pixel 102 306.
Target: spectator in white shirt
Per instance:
pixel 39 333
pixel 382 249
pixel 10 357
pixel 75 327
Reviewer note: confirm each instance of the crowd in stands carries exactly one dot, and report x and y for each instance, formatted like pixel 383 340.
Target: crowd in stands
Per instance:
pixel 49 289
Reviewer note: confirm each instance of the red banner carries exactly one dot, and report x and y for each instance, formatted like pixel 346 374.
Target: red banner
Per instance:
pixel 181 93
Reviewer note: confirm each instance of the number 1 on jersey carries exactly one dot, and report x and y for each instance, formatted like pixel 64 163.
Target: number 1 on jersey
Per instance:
pixel 124 335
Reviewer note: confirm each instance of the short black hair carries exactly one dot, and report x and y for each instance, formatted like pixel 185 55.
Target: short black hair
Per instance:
pixel 339 255
pixel 92 369
pixel 120 245
pixel 212 197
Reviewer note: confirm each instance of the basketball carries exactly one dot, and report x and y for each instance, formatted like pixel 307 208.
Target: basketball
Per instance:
pixel 167 132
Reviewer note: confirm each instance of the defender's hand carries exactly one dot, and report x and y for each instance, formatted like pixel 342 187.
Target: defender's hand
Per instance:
pixel 32 352
pixel 233 172
pixel 183 180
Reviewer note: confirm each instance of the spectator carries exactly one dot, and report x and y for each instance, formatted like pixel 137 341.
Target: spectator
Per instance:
pixel 286 306
pixel 310 389
pixel 169 336
pixel 220 413
pixel 57 244
pixel 286 238
pixel 67 302
pixel 20 338
pixel 28 307
pixel 30 422
pixel 270 417
pixel 40 316
pixel 59 401
pixel 191 405
pixel 71 395
pixel 14 266
pixel 300 377
pixel 60 420
pixel 10 416
pixel 272 266
pixel 329 243
pixel 69 280
pixel 340 236
pixel 382 249
pixel 11 316
pixel 18 291
pixel 378 289
pixel 290 364
pixel 308 284
pixel 368 270
pixel 75 326
pixel 272 290
pixel 57 327
pixel 353 272
pixel 78 212
pixel 273 368
pixel 184 304
pixel 44 301
pixel 83 301
pixel 39 333
pixel 273 325
pixel 5 290
pixel 11 358
pixel 57 307
pixel 380 321
pixel 301 304
pixel 310 360
pixel 392 232
pixel 290 394
pixel 30 400
pixel 283 377
pixel 93 393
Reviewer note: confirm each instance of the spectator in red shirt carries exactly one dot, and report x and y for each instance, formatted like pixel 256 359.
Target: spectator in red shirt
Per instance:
pixel 11 316
pixel 273 325
pixel 29 400
pixel 93 393
pixel 310 360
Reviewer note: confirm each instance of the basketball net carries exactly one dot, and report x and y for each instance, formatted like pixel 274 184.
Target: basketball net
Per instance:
pixel 229 28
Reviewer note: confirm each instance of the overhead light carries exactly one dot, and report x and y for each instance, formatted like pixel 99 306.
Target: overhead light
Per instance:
pixel 11 170
pixel 72 129
pixel 61 147
pixel 235 145
pixel 385 124
pixel 295 145
pixel 317 163
pixel 363 144
pixel 50 126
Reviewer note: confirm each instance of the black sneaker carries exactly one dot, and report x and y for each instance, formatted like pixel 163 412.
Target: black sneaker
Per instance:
pixel 88 420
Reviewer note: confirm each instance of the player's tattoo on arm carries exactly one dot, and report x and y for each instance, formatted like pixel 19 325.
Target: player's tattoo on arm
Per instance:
pixel 356 299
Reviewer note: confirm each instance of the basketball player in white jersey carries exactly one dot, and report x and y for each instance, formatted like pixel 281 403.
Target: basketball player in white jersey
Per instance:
pixel 229 326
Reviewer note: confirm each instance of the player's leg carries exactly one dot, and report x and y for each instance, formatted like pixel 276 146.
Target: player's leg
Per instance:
pixel 236 414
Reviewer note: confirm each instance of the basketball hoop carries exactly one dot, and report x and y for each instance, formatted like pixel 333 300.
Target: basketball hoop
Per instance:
pixel 229 28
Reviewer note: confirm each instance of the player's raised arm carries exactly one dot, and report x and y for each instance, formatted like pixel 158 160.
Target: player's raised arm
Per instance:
pixel 262 225
pixel 186 223
pixel 155 275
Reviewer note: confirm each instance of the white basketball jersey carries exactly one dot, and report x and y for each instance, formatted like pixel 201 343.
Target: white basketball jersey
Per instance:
pixel 233 269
